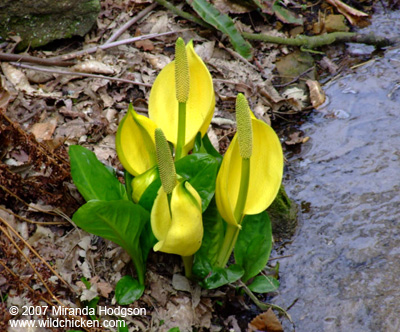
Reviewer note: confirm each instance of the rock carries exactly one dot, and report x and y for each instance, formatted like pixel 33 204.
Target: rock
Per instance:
pixel 283 214
pixel 39 22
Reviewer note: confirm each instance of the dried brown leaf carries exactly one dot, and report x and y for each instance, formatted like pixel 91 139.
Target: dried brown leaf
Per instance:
pixel 267 321
pixel 296 138
pixel 93 67
pixel 317 95
pixel 16 77
pixel 354 16
pixel 44 131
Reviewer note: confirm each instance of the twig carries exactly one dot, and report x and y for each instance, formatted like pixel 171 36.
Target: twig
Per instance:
pixel 83 326
pixel 132 21
pixel 76 73
pixel 34 59
pixel 294 79
pixel 46 223
pixel 35 253
pixel 30 263
pixel 237 56
pixel 23 282
pixel 53 157
pixel 25 203
pixel 113 44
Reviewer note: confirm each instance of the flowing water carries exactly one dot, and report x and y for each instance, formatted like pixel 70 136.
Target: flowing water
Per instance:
pixel 344 268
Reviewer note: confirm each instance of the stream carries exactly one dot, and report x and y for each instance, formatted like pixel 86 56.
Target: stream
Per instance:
pixel 343 269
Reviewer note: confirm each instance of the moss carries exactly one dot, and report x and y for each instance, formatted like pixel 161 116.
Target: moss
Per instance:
pixel 39 27
pixel 283 213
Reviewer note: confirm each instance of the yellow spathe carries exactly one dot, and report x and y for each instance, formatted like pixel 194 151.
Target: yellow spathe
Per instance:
pixel 163 105
pixel 178 227
pixel 135 142
pixel 266 170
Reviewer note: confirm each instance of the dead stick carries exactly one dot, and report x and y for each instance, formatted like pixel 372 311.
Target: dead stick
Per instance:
pixel 113 44
pixel 67 72
pixel 132 21
pixel 29 262
pixel 34 59
pixel 36 253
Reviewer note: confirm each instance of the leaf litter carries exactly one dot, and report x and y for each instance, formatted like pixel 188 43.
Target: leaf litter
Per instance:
pixel 43 111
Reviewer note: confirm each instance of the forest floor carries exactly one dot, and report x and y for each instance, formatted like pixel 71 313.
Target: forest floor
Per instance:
pixel 43 110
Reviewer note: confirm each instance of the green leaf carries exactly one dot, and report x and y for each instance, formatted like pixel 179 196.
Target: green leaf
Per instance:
pixel 86 282
pixel 150 195
pixel 128 177
pixel 122 328
pixel 201 172
pixel 254 244
pixel 128 290
pixel 120 221
pixel 93 304
pixel 219 276
pixel 285 15
pixel 264 284
pixel 92 178
pixel 212 239
pixel 223 23
pixel 199 169
pixel 204 145
pixel 174 329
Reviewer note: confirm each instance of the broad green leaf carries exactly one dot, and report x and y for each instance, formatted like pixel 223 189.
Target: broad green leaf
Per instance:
pixel 220 276
pixel 212 238
pixel 120 221
pixel 264 284
pixel 199 169
pixel 92 178
pixel 285 15
pixel 201 172
pixel 254 244
pixel 174 329
pixel 204 145
pixel 223 23
pixel 150 195
pixel 128 290
pixel 128 177
pixel 210 148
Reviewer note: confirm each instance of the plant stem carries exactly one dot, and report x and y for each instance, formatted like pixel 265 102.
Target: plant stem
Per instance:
pixel 243 190
pixel 230 238
pixel 188 264
pixel 232 231
pixel 261 305
pixel 181 131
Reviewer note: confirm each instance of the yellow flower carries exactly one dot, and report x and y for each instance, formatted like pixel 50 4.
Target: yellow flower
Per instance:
pixel 177 226
pixel 135 142
pixel 266 169
pixel 163 103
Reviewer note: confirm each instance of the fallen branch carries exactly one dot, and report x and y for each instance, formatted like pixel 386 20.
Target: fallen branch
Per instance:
pixel 34 59
pixel 308 42
pixel 311 42
pixel 76 73
pixel 113 44
pixel 132 21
